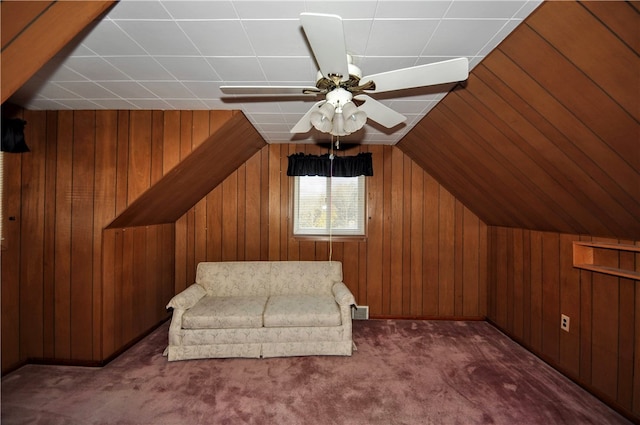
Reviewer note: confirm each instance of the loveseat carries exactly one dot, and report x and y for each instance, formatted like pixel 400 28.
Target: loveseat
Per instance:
pixel 262 309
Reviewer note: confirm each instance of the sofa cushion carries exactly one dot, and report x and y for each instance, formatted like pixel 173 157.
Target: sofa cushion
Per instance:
pixel 234 278
pixel 225 313
pixel 301 310
pixel 304 277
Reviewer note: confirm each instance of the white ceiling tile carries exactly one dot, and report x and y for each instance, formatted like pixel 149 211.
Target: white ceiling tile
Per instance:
pixel 168 89
pixel 361 9
pixel 269 9
pixel 204 89
pixel 415 35
pixel 292 69
pixel 200 9
pixel 526 10
pixel 356 35
pixel 508 27
pixel 146 104
pixel 412 9
pixel 170 54
pixel 108 39
pixel 88 90
pixel 60 73
pixel 277 37
pixel 186 104
pixel 159 37
pixel 127 89
pixel 483 9
pixel 237 68
pixel 138 9
pixel 78 104
pixel 56 91
pixel 452 37
pixel 115 104
pixel 189 68
pixel 218 38
pixel 95 68
pixel 140 68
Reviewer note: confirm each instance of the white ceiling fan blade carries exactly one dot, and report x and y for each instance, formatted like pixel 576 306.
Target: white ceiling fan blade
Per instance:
pixel 267 90
pixel 448 71
pixel 380 113
pixel 326 37
pixel 304 124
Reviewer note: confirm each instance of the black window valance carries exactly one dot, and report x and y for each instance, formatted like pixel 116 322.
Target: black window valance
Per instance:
pixel 322 165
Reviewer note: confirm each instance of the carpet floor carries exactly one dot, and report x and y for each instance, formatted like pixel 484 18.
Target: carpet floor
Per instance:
pixel 404 372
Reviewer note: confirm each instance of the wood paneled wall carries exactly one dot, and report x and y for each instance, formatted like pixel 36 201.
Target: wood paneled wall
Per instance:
pixel 424 255
pixel 544 135
pixel 63 298
pixel 532 282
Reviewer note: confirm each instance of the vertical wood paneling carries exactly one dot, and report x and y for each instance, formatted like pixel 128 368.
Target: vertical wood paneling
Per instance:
pixel 82 197
pixel 32 230
pixel 420 259
pixel 601 349
pixel 70 291
pixel 411 218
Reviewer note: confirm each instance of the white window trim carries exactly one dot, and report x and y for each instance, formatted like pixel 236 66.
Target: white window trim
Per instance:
pixel 359 232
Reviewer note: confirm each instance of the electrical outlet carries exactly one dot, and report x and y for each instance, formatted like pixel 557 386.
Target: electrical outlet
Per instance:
pixel 564 322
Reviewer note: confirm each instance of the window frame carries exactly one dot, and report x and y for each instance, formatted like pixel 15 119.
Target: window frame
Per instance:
pixel 344 237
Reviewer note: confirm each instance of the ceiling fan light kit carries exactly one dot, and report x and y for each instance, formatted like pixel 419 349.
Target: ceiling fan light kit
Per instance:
pixel 339 80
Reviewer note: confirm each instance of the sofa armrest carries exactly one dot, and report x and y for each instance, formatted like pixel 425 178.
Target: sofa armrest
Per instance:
pixel 187 298
pixel 343 295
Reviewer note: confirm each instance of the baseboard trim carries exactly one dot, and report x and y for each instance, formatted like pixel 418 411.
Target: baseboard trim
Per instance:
pixel 454 318
pixel 85 363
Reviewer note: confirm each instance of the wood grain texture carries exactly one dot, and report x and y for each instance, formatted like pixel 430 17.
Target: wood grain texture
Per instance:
pixel 546 141
pixel 599 351
pixel 424 255
pixel 72 291
pixel 30 43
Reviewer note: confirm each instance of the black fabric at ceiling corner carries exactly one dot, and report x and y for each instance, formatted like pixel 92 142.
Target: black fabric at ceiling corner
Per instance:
pixel 13 136
pixel 322 165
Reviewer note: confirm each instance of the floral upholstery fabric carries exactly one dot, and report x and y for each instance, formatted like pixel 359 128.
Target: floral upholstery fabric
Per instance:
pixel 232 279
pixel 187 298
pixel 304 277
pixel 262 309
pixel 225 313
pixel 301 310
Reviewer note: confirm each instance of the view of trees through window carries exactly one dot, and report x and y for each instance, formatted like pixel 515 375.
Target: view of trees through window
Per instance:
pixel 324 204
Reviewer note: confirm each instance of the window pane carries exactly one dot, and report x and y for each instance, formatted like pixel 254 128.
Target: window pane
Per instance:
pixel 324 206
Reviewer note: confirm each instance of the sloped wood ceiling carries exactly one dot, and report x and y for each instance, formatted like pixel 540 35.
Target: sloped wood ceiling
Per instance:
pixel 28 41
pixel 546 135
pixel 195 176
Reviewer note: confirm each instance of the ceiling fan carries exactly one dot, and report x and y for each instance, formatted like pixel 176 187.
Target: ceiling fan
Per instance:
pixel 340 81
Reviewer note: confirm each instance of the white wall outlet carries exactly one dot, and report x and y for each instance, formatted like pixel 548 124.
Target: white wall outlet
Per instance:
pixel 564 322
pixel 360 312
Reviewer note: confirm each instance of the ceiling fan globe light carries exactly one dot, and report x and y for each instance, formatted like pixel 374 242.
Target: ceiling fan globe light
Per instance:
pixel 354 118
pixel 338 125
pixel 321 119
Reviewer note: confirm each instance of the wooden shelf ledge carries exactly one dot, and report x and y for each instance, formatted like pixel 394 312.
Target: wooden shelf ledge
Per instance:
pixel 603 257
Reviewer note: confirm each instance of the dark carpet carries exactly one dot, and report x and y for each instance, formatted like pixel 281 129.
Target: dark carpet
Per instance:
pixel 404 372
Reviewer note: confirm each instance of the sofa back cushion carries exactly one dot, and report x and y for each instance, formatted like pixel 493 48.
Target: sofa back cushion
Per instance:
pixel 234 279
pixel 304 277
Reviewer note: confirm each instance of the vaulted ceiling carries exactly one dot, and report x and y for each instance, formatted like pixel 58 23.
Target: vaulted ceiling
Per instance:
pixel 545 134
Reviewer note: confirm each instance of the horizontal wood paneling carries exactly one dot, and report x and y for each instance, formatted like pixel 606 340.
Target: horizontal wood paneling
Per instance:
pixel 424 255
pixel 544 134
pixel 532 282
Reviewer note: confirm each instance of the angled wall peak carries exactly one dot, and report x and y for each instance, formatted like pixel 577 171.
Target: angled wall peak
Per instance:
pixel 195 176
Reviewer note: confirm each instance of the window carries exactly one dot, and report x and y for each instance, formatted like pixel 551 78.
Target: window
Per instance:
pixel 324 206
